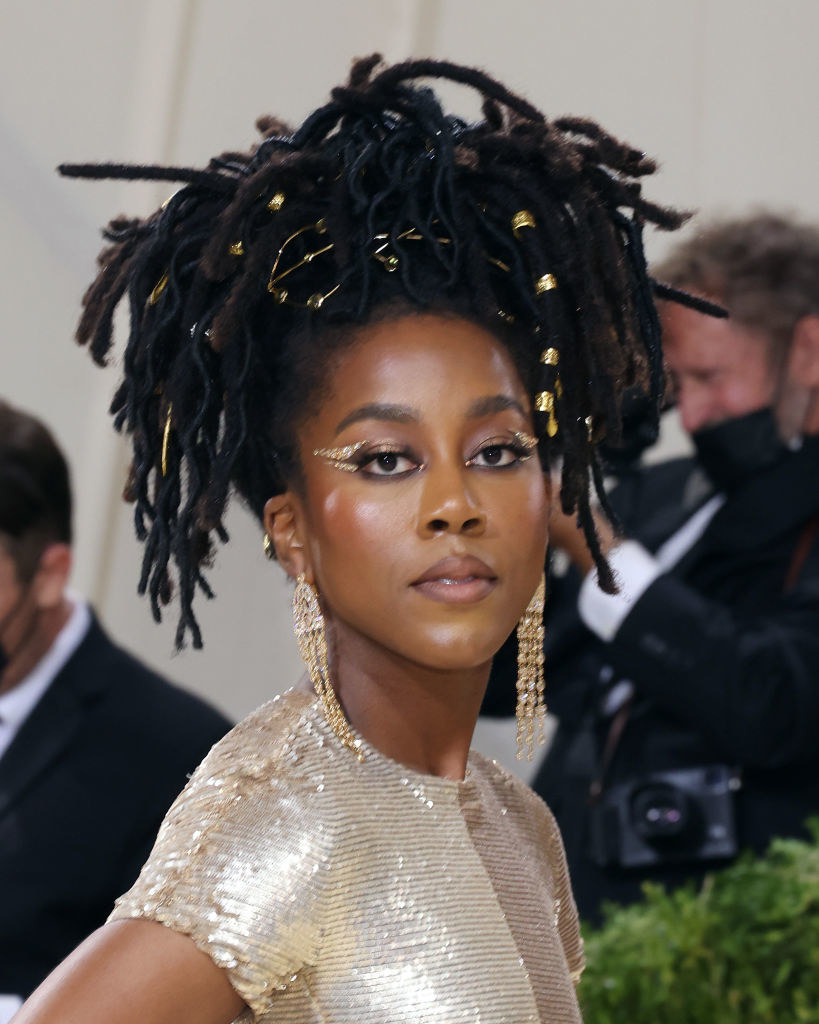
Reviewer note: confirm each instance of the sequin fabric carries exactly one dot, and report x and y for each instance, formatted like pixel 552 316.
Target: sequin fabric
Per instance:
pixel 333 890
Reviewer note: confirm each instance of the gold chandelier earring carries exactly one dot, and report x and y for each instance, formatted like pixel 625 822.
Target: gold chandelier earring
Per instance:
pixel 308 623
pixel 531 708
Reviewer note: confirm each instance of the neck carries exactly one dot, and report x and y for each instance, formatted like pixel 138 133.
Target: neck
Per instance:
pixel 420 717
pixel 35 644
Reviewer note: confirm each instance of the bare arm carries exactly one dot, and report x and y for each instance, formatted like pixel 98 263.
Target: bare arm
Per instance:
pixel 134 972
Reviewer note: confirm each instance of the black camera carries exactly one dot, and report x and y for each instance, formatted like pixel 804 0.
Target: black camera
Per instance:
pixel 678 816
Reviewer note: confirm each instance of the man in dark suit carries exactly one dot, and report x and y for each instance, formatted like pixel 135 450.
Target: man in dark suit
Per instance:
pixel 688 704
pixel 93 745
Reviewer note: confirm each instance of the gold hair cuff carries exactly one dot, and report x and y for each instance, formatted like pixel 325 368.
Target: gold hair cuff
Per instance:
pixel 545 402
pixel 276 202
pixel 522 219
pixel 545 284
pixel 237 249
pixel 550 356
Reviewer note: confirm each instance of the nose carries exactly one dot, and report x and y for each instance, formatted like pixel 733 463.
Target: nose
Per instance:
pixel 694 406
pixel 449 505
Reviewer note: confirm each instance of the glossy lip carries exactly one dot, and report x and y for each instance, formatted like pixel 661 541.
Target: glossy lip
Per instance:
pixel 458 579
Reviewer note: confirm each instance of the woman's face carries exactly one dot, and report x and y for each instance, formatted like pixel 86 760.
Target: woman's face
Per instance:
pixel 424 511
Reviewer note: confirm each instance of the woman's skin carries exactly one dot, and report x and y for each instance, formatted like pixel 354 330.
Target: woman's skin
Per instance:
pixel 425 556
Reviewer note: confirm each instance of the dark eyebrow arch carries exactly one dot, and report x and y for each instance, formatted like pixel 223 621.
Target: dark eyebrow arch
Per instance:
pixel 380 411
pixel 494 403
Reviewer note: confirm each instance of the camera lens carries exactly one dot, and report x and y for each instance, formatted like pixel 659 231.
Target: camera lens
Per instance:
pixel 662 813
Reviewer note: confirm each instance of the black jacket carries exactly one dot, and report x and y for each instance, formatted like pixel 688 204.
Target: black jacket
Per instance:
pixel 83 789
pixel 723 652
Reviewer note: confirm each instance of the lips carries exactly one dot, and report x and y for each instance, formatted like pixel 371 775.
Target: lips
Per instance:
pixel 456 580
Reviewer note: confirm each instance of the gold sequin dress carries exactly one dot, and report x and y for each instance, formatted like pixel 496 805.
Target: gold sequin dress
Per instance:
pixel 340 892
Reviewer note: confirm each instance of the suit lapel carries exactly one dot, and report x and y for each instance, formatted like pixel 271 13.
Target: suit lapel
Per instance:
pixel 52 724
pixel 768 507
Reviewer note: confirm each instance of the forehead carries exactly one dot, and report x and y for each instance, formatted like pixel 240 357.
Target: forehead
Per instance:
pixel 693 341
pixel 430 362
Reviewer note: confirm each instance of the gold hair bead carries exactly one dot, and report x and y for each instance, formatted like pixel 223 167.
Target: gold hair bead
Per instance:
pixel 550 356
pixel 522 219
pixel 237 249
pixel 279 294
pixel 159 288
pixel 315 301
pixel 545 284
pixel 276 202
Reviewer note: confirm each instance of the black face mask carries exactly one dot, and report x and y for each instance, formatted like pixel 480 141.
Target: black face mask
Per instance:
pixel 732 452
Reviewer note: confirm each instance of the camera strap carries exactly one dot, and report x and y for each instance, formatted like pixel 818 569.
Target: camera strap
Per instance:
pixel 618 723
pixel 613 737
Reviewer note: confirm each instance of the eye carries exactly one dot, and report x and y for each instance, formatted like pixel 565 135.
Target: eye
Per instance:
pixel 498 454
pixel 387 462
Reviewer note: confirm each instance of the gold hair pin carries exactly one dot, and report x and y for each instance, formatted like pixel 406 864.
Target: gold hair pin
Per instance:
pixel 381 252
pixel 166 437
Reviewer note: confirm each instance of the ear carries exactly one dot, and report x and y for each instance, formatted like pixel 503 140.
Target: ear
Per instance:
pixel 52 574
pixel 284 525
pixel 803 358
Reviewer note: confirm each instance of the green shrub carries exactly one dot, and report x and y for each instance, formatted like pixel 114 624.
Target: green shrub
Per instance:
pixel 743 949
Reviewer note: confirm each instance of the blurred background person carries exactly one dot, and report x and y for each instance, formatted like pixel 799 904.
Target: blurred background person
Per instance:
pixel 688 704
pixel 93 745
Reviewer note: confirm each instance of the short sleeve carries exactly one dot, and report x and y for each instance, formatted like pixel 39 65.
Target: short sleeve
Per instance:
pixel 239 866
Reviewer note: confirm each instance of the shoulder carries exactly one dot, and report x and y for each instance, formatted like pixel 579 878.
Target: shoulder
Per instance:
pixel 518 799
pixel 265 738
pixel 637 494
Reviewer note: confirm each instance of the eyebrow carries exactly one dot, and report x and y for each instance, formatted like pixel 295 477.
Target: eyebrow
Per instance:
pixel 380 411
pixel 494 403
pixel 406 414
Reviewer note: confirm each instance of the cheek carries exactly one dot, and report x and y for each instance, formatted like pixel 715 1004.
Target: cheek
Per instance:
pixel 352 530
pixel 525 513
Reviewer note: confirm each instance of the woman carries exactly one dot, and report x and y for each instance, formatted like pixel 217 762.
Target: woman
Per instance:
pixel 370 328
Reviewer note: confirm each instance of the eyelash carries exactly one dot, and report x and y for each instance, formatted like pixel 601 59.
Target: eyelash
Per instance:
pixel 367 457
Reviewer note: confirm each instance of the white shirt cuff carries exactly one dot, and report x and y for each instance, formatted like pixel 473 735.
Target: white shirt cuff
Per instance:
pixel 634 571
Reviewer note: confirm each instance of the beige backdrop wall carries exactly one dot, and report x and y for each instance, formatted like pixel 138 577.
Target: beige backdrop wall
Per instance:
pixel 724 91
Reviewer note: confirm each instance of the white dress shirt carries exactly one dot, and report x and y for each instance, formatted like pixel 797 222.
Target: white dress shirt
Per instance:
pixel 20 701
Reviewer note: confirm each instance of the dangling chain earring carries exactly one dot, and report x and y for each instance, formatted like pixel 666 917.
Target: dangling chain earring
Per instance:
pixel 308 623
pixel 531 709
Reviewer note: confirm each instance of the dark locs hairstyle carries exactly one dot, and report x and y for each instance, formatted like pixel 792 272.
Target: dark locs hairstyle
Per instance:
pixel 243 281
